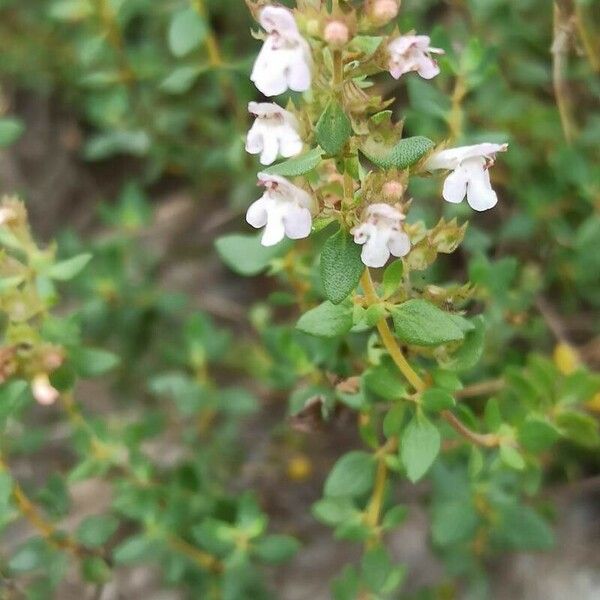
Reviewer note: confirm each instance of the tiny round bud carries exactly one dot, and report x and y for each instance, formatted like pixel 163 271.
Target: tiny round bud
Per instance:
pixel 53 359
pixel 43 391
pixel 336 33
pixel 383 11
pixel 393 190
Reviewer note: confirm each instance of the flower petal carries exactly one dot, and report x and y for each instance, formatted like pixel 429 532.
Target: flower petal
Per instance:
pixel 399 243
pixel 375 252
pixel 298 70
pixel 278 18
pixel 254 139
pixel 455 186
pixel 290 143
pixel 275 229
pixel 480 194
pixel 256 215
pixel 297 222
pixel 269 71
pixel 427 67
pixel 270 148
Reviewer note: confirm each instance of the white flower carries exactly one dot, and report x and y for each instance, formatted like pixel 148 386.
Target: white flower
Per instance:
pixel 275 131
pixel 283 210
pixel 382 235
pixel 470 173
pixel 284 60
pixel 413 53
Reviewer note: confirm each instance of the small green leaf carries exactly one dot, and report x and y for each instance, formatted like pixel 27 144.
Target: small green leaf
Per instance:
pixel 333 128
pixel 11 130
pixel 92 362
pixel 96 530
pixel 244 254
pixel 352 475
pixel 67 269
pixel 95 570
pixel 135 549
pixel 436 400
pixel 333 511
pixel 453 521
pixel 326 320
pixel 298 165
pixel 394 420
pixel 394 517
pixel 537 435
pixel 419 446
pixel 420 323
pixel 182 79
pixel 341 266
pixel 521 528
pixel 187 30
pixel 275 549
pixel 404 154
pixel 469 354
pixel 392 277
pixel 511 457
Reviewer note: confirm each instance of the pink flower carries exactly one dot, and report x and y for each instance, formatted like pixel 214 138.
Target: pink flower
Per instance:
pixel 381 234
pixel 283 210
pixel 412 53
pixel 284 61
pixel 470 175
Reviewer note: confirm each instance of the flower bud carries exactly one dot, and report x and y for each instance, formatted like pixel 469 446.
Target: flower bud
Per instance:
pixel 53 359
pixel 336 34
pixel 43 391
pixel 382 11
pixel 392 191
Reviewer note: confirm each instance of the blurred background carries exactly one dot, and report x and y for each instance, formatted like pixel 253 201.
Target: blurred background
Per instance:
pixel 122 128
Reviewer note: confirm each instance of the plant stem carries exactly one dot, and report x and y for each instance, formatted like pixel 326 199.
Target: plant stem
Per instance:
pixel 212 47
pixel 589 38
pixel 338 71
pixel 373 511
pixel 389 341
pixel 482 388
pixel 563 27
pixel 45 528
pixel 455 118
pixel 487 440
pixel 202 559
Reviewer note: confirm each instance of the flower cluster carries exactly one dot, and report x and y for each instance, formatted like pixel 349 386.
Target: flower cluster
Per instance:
pixel 285 63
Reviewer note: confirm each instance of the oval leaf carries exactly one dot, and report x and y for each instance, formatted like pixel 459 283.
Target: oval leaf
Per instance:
pixel 186 31
pixel 333 128
pixel 244 254
pixel 420 323
pixel 326 320
pixel 298 165
pixel 404 154
pixel 352 475
pixel 419 447
pixel 341 266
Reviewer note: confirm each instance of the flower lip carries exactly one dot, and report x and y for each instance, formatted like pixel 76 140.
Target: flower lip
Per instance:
pixel 265 110
pixel 404 43
pixel 278 19
pixel 385 211
pixel 451 158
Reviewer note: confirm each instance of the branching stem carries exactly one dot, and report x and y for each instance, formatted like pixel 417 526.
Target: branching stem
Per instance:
pixel 415 380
